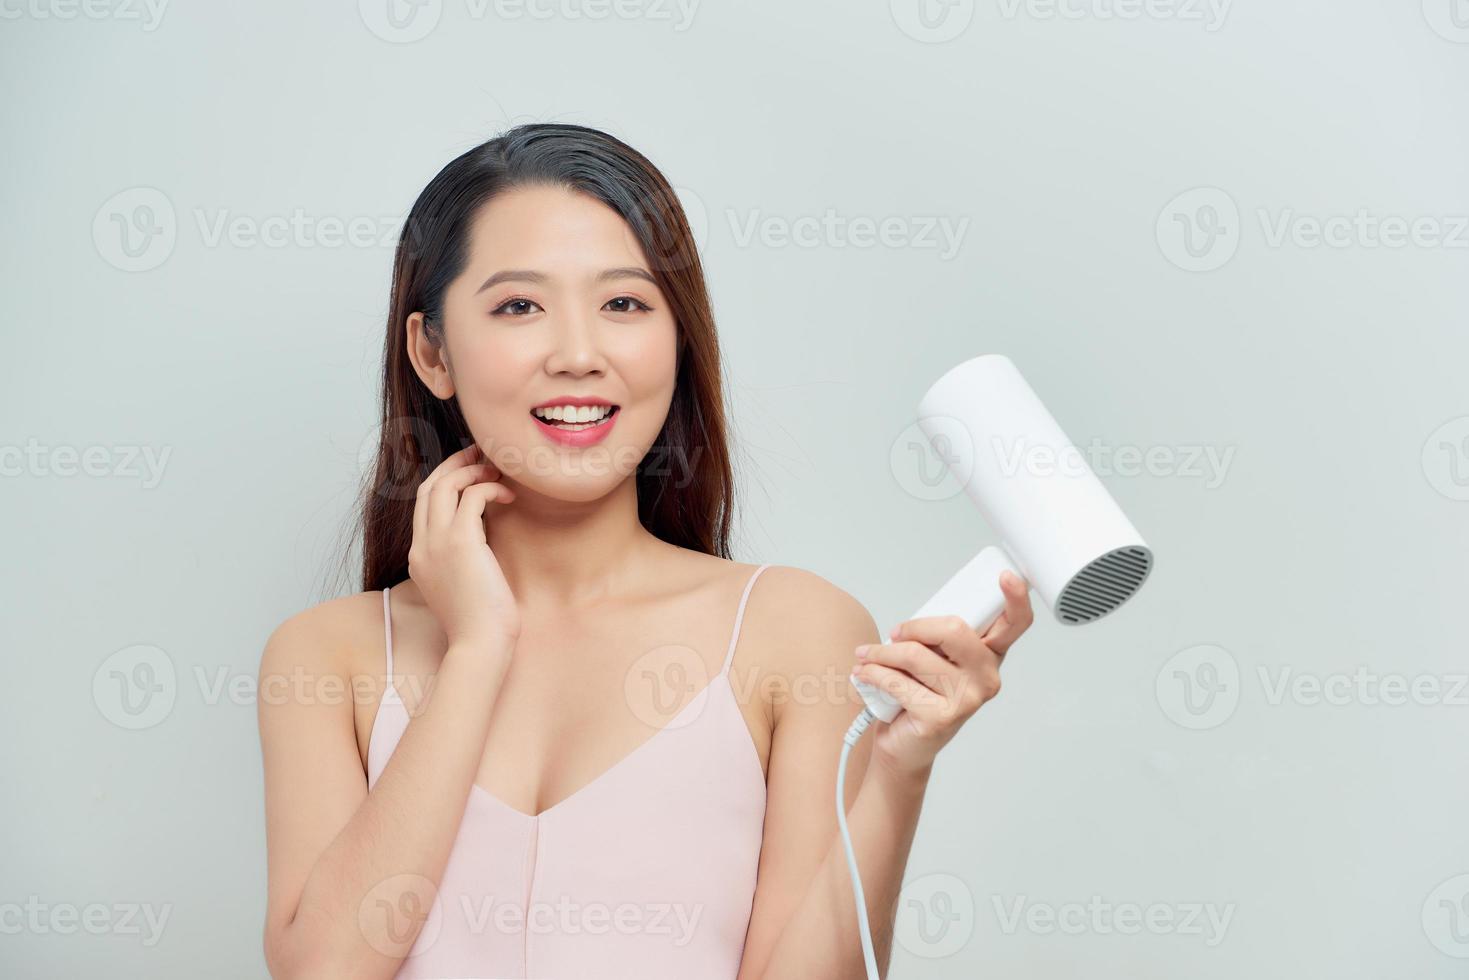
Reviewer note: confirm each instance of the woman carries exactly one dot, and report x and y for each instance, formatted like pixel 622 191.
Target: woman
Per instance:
pixel 582 741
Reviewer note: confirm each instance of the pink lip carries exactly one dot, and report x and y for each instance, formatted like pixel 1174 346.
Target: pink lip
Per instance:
pixel 583 437
pixel 578 400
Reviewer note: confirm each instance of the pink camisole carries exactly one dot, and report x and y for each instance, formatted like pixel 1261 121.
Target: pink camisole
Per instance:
pixel 646 872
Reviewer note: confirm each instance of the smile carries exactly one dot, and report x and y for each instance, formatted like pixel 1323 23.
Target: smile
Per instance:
pixel 576 426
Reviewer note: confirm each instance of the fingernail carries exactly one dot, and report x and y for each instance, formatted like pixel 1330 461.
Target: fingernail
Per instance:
pixel 862 651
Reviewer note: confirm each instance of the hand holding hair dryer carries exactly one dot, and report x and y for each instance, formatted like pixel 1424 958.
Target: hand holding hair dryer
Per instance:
pixel 1059 528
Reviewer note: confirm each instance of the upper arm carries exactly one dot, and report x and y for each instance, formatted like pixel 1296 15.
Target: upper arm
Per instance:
pixel 809 629
pixel 313 773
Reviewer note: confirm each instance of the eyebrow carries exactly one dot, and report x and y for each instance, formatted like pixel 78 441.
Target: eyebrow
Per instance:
pixel 531 275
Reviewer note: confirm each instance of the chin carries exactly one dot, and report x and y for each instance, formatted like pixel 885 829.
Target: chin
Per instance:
pixel 570 476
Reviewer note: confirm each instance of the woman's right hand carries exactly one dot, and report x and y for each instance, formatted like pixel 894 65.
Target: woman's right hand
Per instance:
pixel 450 560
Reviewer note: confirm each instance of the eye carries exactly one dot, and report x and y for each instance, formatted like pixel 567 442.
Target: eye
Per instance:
pixel 628 299
pixel 519 303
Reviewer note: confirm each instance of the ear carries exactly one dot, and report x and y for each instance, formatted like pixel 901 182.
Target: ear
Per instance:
pixel 430 360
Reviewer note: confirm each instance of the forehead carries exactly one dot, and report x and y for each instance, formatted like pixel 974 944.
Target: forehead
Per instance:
pixel 551 229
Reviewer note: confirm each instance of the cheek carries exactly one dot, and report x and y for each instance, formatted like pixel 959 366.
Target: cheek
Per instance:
pixel 490 379
pixel 649 364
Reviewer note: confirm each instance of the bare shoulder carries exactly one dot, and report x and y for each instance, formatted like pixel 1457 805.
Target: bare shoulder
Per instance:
pixel 325 639
pixel 804 622
pixel 806 602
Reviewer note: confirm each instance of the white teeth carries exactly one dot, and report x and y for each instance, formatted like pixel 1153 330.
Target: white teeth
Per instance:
pixel 573 414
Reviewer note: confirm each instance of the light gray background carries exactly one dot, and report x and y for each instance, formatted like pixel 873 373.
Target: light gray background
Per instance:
pixel 1333 542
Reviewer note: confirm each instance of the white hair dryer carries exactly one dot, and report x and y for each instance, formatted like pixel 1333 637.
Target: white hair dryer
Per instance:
pixel 1058 527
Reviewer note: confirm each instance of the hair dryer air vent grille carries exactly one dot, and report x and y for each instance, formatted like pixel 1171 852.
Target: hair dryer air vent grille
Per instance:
pixel 1104 585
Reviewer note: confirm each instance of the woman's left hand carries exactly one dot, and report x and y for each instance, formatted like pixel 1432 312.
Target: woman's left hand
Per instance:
pixel 941 670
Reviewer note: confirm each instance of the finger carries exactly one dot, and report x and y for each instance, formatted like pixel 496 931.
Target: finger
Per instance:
pixel 444 497
pixel 474 500
pixel 425 487
pixel 1017 617
pixel 951 635
pixel 469 454
pixel 907 690
pixel 926 664
pixel 480 457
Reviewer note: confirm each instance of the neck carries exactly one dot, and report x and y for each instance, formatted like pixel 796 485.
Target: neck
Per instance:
pixel 558 554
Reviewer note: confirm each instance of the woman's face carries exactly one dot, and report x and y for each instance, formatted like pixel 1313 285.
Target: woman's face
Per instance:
pixel 556 303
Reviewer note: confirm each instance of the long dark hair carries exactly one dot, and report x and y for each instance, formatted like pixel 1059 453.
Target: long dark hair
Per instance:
pixel 688 504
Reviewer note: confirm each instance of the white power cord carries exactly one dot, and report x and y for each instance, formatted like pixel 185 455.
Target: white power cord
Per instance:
pixel 859 725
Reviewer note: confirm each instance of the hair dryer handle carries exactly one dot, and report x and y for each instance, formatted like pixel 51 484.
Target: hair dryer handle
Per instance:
pixel 973 594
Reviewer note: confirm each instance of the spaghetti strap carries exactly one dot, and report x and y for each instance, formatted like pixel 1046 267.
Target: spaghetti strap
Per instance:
pixel 734 636
pixel 388 641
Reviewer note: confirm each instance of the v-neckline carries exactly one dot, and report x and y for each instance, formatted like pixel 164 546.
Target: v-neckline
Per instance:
pixel 673 723
pixel 390 693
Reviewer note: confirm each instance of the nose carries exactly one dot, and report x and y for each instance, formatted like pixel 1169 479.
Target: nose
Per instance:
pixel 575 345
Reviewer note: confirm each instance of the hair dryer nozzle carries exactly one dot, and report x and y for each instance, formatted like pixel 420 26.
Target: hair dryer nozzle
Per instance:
pixel 1104 584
